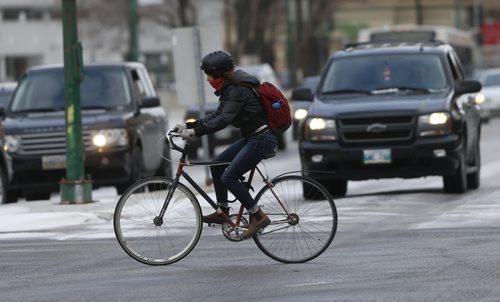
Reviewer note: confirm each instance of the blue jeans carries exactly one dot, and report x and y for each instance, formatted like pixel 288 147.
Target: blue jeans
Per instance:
pixel 243 155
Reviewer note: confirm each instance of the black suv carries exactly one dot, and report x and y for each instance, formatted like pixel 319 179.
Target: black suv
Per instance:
pixel 122 128
pixel 385 110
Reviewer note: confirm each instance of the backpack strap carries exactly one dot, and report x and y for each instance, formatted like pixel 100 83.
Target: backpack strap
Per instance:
pixel 253 88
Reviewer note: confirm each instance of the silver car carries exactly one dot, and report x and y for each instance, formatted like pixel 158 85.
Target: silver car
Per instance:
pixel 489 96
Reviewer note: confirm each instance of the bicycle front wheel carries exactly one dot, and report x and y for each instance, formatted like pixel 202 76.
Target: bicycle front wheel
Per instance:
pixel 303 219
pixel 151 239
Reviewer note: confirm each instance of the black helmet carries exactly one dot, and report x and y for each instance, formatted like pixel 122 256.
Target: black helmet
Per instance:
pixel 217 62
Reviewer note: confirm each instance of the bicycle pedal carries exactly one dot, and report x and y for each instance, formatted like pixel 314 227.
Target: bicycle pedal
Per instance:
pixel 214 225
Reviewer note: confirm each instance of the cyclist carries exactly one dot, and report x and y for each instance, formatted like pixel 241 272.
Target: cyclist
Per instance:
pixel 239 106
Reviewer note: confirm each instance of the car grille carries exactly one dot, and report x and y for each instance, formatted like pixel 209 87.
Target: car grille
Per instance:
pixel 48 143
pixel 390 129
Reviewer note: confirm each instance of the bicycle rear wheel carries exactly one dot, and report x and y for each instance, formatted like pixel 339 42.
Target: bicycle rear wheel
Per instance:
pixel 146 238
pixel 307 227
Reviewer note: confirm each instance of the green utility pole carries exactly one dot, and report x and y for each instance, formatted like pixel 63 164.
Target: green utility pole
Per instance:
pixel 458 13
pixel 291 7
pixel 134 38
pixel 75 188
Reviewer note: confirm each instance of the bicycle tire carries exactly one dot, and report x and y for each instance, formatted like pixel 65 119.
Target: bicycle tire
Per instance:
pixel 136 231
pixel 314 223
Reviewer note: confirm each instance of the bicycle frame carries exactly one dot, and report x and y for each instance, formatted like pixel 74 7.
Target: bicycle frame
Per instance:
pixel 180 172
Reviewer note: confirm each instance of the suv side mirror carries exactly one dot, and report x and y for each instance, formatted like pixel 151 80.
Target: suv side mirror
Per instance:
pixel 469 86
pixel 150 101
pixel 302 94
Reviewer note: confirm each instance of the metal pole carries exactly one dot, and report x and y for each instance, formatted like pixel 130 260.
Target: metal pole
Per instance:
pixel 458 13
pixel 75 188
pixel 201 95
pixel 134 38
pixel 291 41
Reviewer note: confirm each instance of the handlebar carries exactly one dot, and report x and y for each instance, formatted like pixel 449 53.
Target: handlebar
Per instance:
pixel 171 134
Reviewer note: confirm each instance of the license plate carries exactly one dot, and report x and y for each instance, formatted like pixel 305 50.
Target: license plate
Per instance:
pixel 53 162
pixel 377 156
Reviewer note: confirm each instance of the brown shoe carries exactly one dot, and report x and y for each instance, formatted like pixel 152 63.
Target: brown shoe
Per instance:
pixel 216 217
pixel 258 221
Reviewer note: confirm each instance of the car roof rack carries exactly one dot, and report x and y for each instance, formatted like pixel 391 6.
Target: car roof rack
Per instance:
pixel 385 43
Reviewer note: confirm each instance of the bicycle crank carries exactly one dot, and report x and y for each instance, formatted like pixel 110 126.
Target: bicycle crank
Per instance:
pixel 234 233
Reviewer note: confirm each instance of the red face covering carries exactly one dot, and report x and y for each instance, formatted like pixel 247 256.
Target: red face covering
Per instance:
pixel 217 83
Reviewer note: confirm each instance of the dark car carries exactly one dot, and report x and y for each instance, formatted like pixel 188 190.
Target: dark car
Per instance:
pixel 122 128
pixel 392 110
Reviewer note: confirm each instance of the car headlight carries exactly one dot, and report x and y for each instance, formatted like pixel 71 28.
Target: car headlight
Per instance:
pixel 109 138
pixel 434 124
pixel 479 98
pixel 12 144
pixel 320 129
pixel 300 114
pixel 190 120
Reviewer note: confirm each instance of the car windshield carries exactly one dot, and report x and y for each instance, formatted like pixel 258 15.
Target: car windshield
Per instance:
pixel 417 73
pixel 492 80
pixel 43 91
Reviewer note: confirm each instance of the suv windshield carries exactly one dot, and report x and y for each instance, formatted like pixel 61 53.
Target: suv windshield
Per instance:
pixel 389 72
pixel 43 91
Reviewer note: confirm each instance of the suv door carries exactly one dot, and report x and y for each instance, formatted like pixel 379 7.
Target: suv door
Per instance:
pixel 467 107
pixel 153 122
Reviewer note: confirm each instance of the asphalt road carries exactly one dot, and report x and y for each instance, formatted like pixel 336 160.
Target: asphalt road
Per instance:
pixel 397 240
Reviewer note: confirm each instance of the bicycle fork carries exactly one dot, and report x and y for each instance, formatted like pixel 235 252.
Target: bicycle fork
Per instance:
pixel 158 220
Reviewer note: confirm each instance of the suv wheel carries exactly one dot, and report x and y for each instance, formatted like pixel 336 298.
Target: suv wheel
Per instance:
pixel 11 196
pixel 457 183
pixel 136 169
pixel 337 188
pixel 3 188
pixel 474 178
pixel 310 192
pixel 281 141
pixel 30 196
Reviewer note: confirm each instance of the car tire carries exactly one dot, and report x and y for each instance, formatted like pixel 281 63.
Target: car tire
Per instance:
pixel 3 189
pixel 457 183
pixel 12 196
pixel 31 196
pixel 474 178
pixel 136 170
pixel 281 141
pixel 310 192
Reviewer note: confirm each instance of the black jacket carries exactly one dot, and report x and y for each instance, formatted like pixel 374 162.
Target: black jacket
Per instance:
pixel 239 105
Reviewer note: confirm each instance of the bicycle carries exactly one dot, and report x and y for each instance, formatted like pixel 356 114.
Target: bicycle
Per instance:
pixel 158 220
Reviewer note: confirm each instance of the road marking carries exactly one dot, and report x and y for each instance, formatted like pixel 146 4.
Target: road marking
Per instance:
pixel 309 284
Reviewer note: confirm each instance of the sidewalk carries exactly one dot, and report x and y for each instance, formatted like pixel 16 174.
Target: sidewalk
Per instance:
pixel 48 219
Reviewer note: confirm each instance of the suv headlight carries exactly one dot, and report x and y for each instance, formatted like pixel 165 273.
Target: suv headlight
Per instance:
pixel 12 144
pixel 109 138
pixel 320 129
pixel 434 124
pixel 300 114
